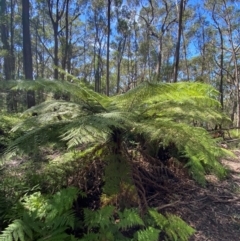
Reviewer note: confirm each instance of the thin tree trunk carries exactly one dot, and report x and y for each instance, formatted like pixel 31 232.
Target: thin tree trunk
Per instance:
pixel 108 44
pixel 185 55
pixel 121 48
pixel 221 56
pixel 159 58
pixel 27 50
pixel 66 49
pixel 177 54
pixel 55 60
pixel 12 40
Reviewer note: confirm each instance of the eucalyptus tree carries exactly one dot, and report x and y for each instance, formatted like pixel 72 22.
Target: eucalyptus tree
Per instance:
pixel 212 5
pixel 56 10
pixel 42 41
pixel 124 27
pixel 187 39
pixel 98 28
pixel 229 18
pixel 62 14
pixel 201 64
pixel 69 36
pixel 225 18
pixel 158 18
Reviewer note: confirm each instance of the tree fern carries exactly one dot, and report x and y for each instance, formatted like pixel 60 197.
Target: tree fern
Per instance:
pixel 161 113
pixel 117 171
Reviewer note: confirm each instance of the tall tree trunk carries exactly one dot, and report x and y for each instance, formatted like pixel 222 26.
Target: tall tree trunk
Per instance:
pixel 8 56
pixel 177 53
pixel 56 59
pixel 221 56
pixel 121 48
pixel 185 55
pixel 56 14
pixel 108 44
pixel 159 58
pixel 234 56
pixel 66 47
pixel 27 50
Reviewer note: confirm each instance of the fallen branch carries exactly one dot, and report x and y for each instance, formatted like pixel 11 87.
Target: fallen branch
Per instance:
pixel 168 205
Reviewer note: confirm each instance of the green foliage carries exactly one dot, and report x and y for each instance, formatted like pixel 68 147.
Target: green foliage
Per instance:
pixel 46 217
pixel 43 217
pixel 160 113
pixel 129 218
pixel 7 122
pixel 174 227
pixel 93 127
pixel 16 231
pixel 109 225
pixel 148 234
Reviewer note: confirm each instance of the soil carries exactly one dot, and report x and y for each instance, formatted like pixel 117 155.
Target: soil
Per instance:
pixel 214 211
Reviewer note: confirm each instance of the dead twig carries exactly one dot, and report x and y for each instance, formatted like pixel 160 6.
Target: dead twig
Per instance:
pixel 168 205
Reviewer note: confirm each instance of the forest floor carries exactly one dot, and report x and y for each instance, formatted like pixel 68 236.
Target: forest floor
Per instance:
pixel 213 211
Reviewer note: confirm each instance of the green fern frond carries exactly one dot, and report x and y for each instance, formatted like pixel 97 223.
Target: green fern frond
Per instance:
pixel 149 93
pixel 43 217
pixel 159 219
pixel 95 128
pixel 148 234
pixel 31 220
pixel 65 220
pixel 38 136
pixel 177 229
pixel 78 91
pixel 57 235
pixel 174 227
pixel 102 217
pixel 36 204
pixel 7 122
pixel 90 237
pixel 63 200
pixel 195 143
pixel 56 110
pixel 17 230
pixel 128 219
